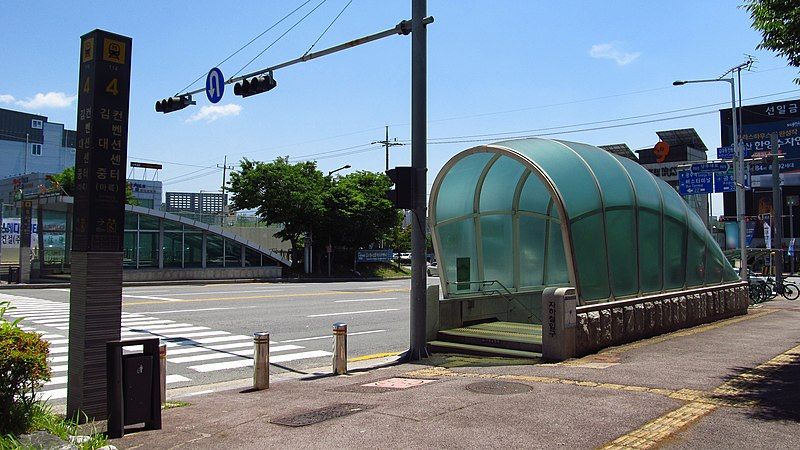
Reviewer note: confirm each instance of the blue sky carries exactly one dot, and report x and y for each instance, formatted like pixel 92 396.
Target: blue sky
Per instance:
pixel 493 67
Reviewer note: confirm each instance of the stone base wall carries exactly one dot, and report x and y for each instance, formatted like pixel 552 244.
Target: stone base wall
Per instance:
pixel 608 324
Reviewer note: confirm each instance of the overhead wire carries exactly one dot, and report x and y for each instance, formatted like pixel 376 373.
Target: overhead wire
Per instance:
pixel 279 38
pixel 328 28
pixel 247 44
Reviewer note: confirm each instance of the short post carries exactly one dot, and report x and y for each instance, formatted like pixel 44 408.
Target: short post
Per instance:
pixel 339 348
pixel 162 360
pixel 261 361
pixel 558 326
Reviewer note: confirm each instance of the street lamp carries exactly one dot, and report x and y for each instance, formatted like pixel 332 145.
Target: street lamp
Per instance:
pixel 738 155
pixel 340 168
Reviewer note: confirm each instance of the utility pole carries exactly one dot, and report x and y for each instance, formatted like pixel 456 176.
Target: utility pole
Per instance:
pixel 777 215
pixel 419 161
pixel 387 143
pixel 225 167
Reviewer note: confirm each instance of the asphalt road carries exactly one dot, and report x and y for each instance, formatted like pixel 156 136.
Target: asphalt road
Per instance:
pixel 209 328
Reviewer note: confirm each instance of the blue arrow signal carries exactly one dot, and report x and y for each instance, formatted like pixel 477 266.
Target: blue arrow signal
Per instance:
pixel 215 85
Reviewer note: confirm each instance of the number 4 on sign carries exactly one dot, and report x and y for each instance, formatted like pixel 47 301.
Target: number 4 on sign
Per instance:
pixel 112 87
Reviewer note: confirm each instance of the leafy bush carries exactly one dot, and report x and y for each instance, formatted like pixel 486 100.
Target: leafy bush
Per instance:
pixel 23 369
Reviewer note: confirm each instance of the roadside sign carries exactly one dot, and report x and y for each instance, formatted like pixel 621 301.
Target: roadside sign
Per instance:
pixel 375 255
pixel 725 182
pixel 710 167
pixel 784 165
pixel 727 152
pixel 695 183
pixel 215 85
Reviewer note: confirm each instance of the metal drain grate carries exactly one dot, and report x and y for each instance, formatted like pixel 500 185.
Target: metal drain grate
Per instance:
pixel 498 387
pixel 320 415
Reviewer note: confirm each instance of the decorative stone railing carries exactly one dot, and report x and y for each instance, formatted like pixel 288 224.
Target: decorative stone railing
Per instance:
pixel 568 332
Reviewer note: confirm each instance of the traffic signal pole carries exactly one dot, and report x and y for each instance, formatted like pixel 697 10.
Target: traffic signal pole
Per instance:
pixel 419 161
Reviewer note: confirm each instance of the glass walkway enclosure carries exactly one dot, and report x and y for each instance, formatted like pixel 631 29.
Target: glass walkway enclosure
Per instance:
pixel 511 218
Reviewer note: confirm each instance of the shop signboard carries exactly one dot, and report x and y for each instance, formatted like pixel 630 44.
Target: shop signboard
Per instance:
pixel 374 255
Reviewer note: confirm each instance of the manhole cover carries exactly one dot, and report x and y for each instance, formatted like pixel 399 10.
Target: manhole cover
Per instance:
pixel 498 387
pixel 320 415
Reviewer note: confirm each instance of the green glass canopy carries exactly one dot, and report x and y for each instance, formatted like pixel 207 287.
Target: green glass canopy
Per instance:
pixel 530 213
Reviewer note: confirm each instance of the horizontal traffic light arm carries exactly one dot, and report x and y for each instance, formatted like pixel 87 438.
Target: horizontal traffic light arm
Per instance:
pixel 402 28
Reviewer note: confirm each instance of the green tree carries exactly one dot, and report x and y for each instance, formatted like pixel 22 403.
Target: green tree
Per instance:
pixel 282 193
pixel 779 24
pixel 359 214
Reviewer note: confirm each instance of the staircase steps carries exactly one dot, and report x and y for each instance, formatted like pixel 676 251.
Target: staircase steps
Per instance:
pixel 480 350
pixel 495 337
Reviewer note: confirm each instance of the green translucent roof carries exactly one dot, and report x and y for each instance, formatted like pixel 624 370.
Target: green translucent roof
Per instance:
pixel 531 213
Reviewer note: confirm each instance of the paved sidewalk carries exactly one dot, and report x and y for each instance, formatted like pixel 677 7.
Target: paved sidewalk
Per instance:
pixel 730 384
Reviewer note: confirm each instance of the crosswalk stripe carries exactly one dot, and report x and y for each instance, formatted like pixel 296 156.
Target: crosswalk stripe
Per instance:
pixel 56 380
pixel 59 350
pixel 212 367
pixel 246 352
pixel 165 332
pixel 190 348
pixel 236 337
pixel 159 327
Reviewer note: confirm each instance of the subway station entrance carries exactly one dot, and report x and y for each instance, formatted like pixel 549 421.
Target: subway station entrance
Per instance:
pixel 512 218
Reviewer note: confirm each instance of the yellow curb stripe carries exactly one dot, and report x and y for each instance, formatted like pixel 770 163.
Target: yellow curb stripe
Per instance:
pixel 654 432
pixel 373 356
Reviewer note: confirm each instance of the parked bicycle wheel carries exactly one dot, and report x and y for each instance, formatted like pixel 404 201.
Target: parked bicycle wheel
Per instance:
pixel 791 291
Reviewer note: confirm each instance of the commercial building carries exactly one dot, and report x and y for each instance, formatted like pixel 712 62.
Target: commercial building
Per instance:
pixel 756 126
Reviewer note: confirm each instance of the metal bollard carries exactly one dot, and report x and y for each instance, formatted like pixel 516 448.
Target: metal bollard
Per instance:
pixel 162 362
pixel 339 348
pixel 261 361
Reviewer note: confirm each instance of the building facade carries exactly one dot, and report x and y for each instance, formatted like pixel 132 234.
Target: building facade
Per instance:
pixel 29 143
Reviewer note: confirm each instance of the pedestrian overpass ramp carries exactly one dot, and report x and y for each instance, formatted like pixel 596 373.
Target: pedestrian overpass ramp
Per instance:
pixel 512 218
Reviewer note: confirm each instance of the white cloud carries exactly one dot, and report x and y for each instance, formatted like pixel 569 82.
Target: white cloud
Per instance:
pixel 612 51
pixel 214 112
pixel 5 98
pixel 48 100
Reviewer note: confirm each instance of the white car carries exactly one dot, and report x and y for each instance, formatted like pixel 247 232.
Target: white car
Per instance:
pixel 433 269
pixel 405 257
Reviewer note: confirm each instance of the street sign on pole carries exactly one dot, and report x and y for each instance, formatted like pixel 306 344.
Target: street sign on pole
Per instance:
pixel 215 85
pixel 710 167
pixel 727 152
pixel 695 183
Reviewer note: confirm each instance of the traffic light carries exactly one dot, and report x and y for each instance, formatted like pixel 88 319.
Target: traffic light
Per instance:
pixel 404 191
pixel 255 85
pixel 174 103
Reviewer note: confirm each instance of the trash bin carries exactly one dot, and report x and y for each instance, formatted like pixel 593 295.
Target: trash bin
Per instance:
pixel 134 385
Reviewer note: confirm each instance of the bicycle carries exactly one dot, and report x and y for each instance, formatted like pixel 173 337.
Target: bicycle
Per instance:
pixel 758 289
pixel 789 289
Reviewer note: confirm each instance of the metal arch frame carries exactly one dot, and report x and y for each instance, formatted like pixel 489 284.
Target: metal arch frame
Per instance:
pixel 555 195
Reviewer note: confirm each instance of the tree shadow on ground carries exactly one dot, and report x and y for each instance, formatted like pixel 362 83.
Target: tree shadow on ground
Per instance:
pixel 772 392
